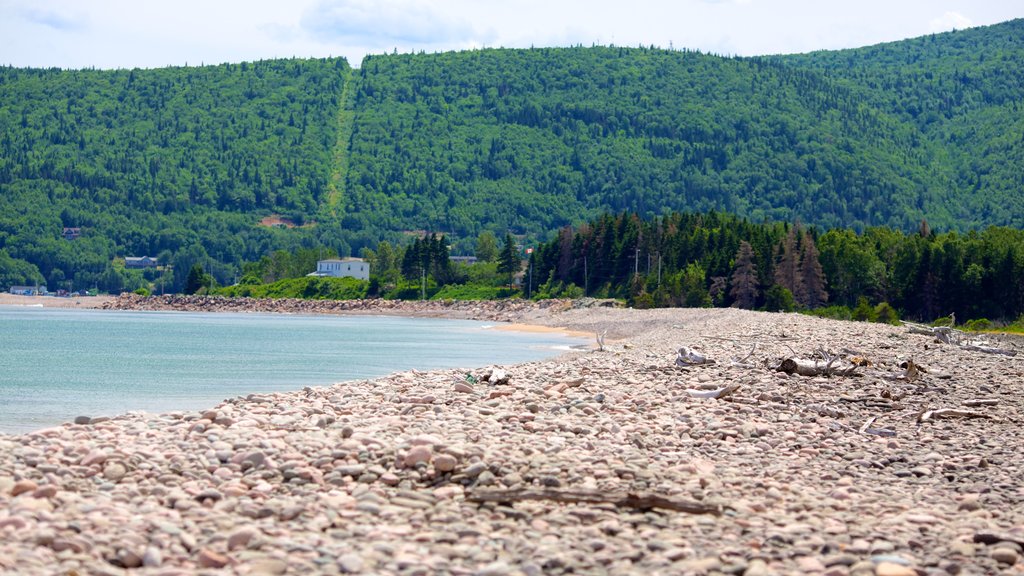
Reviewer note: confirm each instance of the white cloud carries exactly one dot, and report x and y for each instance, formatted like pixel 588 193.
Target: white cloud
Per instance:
pixel 950 21
pixel 383 24
pixel 60 21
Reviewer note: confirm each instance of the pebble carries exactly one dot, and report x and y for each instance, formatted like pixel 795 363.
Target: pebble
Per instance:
pixel 210 559
pixel 23 486
pixel 894 569
pixel 1003 555
pixel 242 537
pixel 444 462
pixel 114 471
pixel 379 476
pixel 417 454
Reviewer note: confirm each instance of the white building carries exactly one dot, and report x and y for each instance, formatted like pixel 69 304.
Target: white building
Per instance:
pixel 346 267
pixel 29 290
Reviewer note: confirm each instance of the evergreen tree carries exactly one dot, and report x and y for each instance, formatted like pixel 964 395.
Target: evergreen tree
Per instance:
pixel 508 260
pixel 812 286
pixel 412 261
pixel 787 273
pixel 743 287
pixel 196 279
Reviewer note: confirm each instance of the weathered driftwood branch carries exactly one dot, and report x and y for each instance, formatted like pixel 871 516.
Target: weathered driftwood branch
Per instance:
pixel 717 393
pixel 742 362
pixel 690 357
pixel 954 337
pixel 980 347
pixel 600 341
pixel 867 429
pixel 807 367
pixel 621 499
pixel 944 413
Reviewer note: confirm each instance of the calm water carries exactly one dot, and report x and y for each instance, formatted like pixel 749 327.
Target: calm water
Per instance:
pixel 57 364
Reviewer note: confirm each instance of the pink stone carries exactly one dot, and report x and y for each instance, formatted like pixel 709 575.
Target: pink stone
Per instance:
pixel 94 457
pixel 22 486
pixel 48 491
pixel 240 538
pixel 894 569
pixel 15 522
pixel 445 462
pixel 416 455
pixel 210 559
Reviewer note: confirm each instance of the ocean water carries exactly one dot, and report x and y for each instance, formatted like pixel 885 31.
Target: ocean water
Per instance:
pixel 56 364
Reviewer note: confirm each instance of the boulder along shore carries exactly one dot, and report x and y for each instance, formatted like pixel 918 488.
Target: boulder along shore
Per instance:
pixel 631 459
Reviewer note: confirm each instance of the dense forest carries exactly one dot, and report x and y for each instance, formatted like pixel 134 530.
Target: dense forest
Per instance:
pixel 178 163
pixel 715 259
pixel 185 163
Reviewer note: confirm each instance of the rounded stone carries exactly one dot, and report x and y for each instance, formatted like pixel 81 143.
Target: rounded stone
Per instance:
pixel 23 486
pixel 210 559
pixel 445 462
pixel 114 471
pixel 417 454
pixel 1004 555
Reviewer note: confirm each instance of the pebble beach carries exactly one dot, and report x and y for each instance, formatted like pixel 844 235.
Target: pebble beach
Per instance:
pixel 617 460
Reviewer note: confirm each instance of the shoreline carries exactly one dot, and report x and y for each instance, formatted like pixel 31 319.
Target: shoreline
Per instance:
pixel 80 302
pixel 840 476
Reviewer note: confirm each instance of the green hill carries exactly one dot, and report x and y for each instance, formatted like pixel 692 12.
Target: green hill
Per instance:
pixel 184 163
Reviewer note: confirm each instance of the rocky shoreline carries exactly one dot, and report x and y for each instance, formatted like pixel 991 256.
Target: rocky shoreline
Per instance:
pixel 584 464
pixel 490 310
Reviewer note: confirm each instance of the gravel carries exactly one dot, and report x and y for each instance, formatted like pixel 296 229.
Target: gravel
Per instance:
pixel 378 476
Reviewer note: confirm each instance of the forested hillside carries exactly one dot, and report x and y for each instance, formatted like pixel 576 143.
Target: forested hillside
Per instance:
pixel 183 163
pixel 962 93
pixel 178 163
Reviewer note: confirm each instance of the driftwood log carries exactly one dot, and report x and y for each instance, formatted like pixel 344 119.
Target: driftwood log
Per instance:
pixel 716 393
pixel 809 367
pixel 640 500
pixel 944 413
pixel 954 337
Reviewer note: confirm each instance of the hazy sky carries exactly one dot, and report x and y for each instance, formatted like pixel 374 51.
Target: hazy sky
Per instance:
pixel 154 33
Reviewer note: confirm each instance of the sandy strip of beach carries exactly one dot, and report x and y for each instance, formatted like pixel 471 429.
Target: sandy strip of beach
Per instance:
pixel 7 299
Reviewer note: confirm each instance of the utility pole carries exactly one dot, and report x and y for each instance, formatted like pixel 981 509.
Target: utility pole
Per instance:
pixel 529 282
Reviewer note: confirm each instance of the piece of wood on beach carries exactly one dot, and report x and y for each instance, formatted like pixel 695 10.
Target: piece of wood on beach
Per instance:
pixel 954 337
pixel 716 393
pixel 639 500
pixel 687 356
pixel 809 367
pixel 946 413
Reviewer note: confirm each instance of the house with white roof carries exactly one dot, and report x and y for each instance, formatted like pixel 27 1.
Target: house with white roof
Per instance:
pixel 344 267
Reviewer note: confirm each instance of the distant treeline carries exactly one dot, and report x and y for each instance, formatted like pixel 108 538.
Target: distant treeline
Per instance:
pixel 721 260
pixel 695 260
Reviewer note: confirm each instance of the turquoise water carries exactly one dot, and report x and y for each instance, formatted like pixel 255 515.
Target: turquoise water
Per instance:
pixel 56 364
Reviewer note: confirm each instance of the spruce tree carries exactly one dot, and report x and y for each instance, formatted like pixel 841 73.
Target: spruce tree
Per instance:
pixel 196 279
pixel 508 260
pixel 812 293
pixel 787 273
pixel 743 286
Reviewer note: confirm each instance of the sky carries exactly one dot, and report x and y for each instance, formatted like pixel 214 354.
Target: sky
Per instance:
pixel 108 34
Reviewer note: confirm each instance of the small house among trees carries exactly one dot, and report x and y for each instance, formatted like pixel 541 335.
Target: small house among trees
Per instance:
pixel 140 262
pixel 343 268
